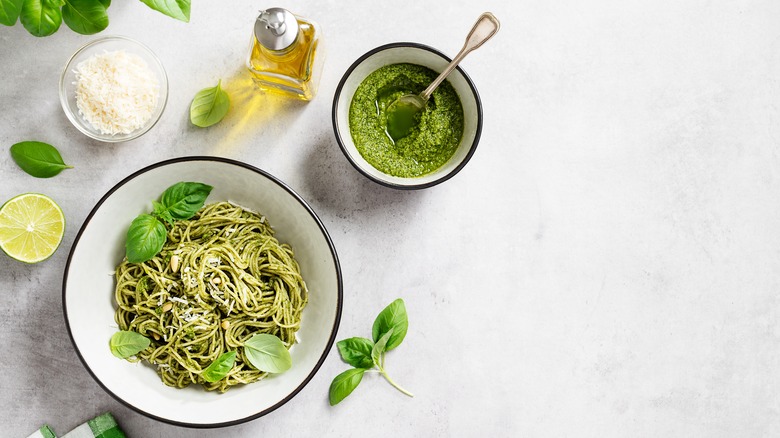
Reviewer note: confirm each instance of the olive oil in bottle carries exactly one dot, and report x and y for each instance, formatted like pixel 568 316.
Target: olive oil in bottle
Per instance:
pixel 283 55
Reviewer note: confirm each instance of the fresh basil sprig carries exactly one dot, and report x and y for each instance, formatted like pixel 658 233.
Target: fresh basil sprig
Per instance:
pixel 267 353
pixel 86 17
pixel 178 9
pixel 41 17
pixel 124 344
pixel 9 11
pixel 344 384
pixel 38 159
pixel 363 354
pixel 44 17
pixel 209 106
pixel 147 233
pixel 218 369
pixel 356 352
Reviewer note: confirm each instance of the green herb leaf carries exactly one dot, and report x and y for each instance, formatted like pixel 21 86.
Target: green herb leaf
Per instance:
pixel 162 212
pixel 184 199
pixel 392 317
pixel 145 238
pixel 178 9
pixel 379 348
pixel 209 106
pixel 356 352
pixel 344 384
pixel 9 11
pixel 40 160
pixel 41 17
pixel 267 353
pixel 124 344
pixel 86 17
pixel 218 369
pixel 105 3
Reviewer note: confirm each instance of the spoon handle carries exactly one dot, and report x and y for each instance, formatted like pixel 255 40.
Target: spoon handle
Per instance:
pixel 486 26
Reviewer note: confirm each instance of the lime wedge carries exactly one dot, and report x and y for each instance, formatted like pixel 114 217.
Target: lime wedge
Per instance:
pixel 31 227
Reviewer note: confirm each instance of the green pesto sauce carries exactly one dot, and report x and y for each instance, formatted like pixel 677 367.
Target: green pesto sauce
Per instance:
pixel 429 145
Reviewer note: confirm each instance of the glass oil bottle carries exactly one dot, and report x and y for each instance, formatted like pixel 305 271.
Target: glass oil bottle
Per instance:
pixel 283 54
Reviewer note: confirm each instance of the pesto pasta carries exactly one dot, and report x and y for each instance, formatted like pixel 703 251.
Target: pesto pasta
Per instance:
pixel 221 277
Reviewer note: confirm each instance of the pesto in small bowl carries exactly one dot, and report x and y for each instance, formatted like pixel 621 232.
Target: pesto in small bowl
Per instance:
pixel 429 145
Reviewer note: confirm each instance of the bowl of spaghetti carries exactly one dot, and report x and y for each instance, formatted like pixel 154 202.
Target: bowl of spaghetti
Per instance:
pixel 253 262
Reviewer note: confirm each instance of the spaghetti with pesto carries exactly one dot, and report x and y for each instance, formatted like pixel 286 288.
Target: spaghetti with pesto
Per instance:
pixel 221 278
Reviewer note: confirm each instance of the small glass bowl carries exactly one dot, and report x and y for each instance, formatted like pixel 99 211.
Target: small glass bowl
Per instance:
pixel 102 45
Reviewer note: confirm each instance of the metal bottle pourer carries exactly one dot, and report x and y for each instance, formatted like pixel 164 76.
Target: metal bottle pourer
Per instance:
pixel 276 29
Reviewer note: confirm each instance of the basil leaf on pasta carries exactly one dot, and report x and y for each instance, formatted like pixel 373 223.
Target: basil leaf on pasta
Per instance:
pixel 267 353
pixel 184 199
pixel 220 367
pixel 356 352
pixel 124 344
pixel 162 212
pixel 392 317
pixel 145 238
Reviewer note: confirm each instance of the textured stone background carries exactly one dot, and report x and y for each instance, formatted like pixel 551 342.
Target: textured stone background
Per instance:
pixel 606 265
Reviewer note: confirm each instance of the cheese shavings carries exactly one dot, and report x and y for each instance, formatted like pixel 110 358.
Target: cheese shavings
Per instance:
pixel 116 92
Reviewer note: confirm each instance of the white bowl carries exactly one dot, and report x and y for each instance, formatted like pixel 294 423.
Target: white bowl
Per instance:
pixel 415 54
pixel 102 45
pixel 88 292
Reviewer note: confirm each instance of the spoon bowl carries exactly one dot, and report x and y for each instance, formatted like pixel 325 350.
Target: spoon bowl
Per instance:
pixel 403 115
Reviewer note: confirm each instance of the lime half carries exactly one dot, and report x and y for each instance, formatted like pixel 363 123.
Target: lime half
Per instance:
pixel 31 227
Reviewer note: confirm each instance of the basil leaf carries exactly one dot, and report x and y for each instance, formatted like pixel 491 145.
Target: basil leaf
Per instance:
pixel 124 344
pixel 184 199
pixel 38 159
pixel 178 9
pixel 356 352
pixel 218 369
pixel 41 17
pixel 105 3
pixel 9 11
pixel 162 212
pixel 344 384
pixel 86 17
pixel 392 317
pixel 209 106
pixel 145 238
pixel 379 348
pixel 267 353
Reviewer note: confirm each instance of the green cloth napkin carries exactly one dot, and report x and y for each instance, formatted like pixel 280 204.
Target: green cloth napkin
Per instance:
pixel 43 432
pixel 103 426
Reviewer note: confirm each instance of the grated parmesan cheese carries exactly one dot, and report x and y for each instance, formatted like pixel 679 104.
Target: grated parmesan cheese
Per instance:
pixel 116 92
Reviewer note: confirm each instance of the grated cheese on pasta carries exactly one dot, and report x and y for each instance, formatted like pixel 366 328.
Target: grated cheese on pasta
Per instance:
pixel 116 92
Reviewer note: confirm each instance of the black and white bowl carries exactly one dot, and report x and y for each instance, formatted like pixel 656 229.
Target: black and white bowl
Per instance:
pixel 419 54
pixel 88 291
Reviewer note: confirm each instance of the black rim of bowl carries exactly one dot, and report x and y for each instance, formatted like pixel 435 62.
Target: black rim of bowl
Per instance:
pixel 297 197
pixel 334 118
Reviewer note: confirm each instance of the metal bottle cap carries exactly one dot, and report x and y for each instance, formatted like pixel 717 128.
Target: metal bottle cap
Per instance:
pixel 276 28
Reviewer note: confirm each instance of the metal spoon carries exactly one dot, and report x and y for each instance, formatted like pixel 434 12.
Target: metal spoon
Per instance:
pixel 402 114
